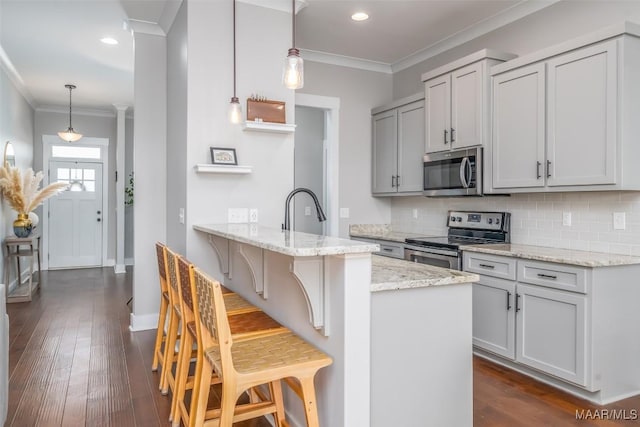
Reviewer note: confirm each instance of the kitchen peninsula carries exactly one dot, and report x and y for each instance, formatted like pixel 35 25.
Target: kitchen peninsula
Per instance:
pixel 399 333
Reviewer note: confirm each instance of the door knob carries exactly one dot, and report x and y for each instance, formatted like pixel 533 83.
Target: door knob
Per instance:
pixel 99 220
pixel 98 212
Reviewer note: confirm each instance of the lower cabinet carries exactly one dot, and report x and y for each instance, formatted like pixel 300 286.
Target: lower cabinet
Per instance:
pixel 494 321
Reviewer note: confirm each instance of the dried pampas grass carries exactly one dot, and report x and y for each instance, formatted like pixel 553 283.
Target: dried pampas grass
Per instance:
pixel 21 191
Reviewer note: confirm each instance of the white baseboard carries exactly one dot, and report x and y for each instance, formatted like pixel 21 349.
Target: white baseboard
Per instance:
pixel 128 261
pixel 143 322
pixel 119 269
pixel 110 262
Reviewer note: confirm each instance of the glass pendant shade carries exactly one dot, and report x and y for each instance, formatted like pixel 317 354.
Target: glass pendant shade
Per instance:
pixel 293 73
pixel 70 135
pixel 235 111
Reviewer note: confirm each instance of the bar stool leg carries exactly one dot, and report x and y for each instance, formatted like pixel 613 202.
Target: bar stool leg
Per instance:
pixel 309 400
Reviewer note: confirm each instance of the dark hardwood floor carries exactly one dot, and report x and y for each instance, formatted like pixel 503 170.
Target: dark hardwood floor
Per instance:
pixel 73 361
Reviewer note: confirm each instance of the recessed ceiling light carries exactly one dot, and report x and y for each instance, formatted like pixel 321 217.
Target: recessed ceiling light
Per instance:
pixel 359 16
pixel 109 40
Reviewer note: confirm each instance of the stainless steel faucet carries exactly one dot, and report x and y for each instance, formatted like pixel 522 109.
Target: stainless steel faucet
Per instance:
pixel 287 204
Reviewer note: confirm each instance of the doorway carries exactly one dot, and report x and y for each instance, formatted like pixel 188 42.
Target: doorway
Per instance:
pixel 316 162
pixel 75 222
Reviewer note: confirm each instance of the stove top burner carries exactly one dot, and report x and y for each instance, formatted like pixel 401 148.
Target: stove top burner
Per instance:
pixel 451 242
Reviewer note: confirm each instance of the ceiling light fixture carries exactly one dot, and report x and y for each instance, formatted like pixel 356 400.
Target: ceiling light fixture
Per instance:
pixel 235 109
pixel 70 135
pixel 109 40
pixel 293 73
pixel 360 16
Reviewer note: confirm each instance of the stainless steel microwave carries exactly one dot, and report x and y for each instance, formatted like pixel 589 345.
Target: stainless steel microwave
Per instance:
pixel 453 173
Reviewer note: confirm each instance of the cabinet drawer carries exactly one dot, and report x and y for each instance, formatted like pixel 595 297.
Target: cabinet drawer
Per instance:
pixel 490 265
pixel 555 276
pixel 390 250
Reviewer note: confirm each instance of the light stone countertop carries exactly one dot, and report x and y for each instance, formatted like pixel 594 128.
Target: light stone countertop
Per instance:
pixel 380 232
pixel 291 243
pixel 561 256
pixel 394 274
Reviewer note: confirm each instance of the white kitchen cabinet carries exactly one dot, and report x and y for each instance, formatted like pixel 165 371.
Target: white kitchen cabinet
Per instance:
pixel 571 326
pixel 519 128
pixel 551 331
pixel 493 316
pixel 565 118
pixel 457 102
pixel 398 147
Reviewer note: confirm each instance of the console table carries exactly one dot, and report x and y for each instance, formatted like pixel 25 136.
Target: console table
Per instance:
pixel 16 248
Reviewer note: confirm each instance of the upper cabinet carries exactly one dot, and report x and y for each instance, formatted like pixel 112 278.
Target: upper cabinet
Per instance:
pixel 565 119
pixel 457 102
pixel 398 147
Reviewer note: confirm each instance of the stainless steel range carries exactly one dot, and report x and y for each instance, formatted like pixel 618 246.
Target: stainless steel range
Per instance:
pixel 465 228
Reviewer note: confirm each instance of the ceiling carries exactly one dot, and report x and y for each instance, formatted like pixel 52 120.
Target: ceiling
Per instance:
pixel 54 42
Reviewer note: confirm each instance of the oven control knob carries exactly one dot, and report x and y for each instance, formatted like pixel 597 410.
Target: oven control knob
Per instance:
pixel 453 219
pixel 459 219
pixel 490 221
pixel 497 221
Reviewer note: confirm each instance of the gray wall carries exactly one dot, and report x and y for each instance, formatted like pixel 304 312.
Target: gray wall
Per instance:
pixel 557 23
pixel 308 167
pixel 359 91
pixel 128 210
pixel 177 129
pixel 16 125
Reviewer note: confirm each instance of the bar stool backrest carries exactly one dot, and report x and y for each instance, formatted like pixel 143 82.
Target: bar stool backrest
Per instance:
pixel 172 269
pixel 184 278
pixel 162 265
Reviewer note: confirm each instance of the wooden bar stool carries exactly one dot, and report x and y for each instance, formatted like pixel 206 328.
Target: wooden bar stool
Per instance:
pixel 245 323
pixel 158 356
pixel 244 364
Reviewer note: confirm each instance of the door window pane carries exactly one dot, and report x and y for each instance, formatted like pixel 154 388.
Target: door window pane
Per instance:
pixel 75 151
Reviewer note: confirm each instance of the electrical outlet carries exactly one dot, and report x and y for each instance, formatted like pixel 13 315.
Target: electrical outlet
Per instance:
pixel 415 214
pixel 344 212
pixel 253 215
pixel 619 220
pixel 237 215
pixel 307 211
pixel 181 216
pixel 566 219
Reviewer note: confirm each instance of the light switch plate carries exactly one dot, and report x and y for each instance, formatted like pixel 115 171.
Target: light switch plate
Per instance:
pixel 619 221
pixel 237 215
pixel 415 213
pixel 307 210
pixel 181 216
pixel 566 219
pixel 344 212
pixel 253 215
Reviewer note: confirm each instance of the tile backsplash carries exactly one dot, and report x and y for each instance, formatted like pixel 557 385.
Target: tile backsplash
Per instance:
pixel 536 219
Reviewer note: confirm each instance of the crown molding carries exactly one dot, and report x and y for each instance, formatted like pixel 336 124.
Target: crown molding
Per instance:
pixel 281 5
pixel 15 77
pixel 144 27
pixel 169 14
pixel 345 61
pixel 518 11
pixel 96 112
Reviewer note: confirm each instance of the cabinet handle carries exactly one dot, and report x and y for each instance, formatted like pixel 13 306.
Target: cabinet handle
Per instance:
pixel 453 137
pixel 397 180
pixel 487 266
pixel 445 137
pixel 387 249
pixel 548 168
pixel 547 276
pixel 393 181
pixel 508 300
pixel 538 164
pixel 517 303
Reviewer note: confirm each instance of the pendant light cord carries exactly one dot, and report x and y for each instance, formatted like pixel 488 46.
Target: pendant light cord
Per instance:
pixel 70 127
pixel 293 22
pixel 234 49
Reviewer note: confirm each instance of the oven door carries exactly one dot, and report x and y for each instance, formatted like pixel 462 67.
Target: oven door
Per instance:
pixel 454 173
pixel 435 257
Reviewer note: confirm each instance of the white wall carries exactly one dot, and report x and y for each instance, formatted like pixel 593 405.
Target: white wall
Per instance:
pixel 128 210
pixel 308 167
pixel 263 37
pixel 536 218
pixel 149 161
pixel 557 23
pixel 16 125
pixel 177 51
pixel 359 91
pixel 104 126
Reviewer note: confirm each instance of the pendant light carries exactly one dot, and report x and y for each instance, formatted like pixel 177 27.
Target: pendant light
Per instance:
pixel 70 135
pixel 235 109
pixel 293 73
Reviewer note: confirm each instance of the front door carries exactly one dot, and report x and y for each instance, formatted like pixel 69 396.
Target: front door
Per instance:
pixel 75 215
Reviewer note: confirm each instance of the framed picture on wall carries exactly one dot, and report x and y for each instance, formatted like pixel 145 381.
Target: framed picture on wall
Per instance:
pixel 223 156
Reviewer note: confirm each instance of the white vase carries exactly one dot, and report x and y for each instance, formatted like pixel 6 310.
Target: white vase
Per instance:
pixel 34 219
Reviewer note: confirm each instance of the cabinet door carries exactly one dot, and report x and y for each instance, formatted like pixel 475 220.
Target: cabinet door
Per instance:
pixel 410 147
pixel 493 316
pixel 551 331
pixel 466 106
pixel 385 147
pixel 582 116
pixel 518 128
pixel 438 113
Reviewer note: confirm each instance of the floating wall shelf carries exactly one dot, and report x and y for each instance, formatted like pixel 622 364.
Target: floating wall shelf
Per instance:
pixel 208 168
pixel 269 127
